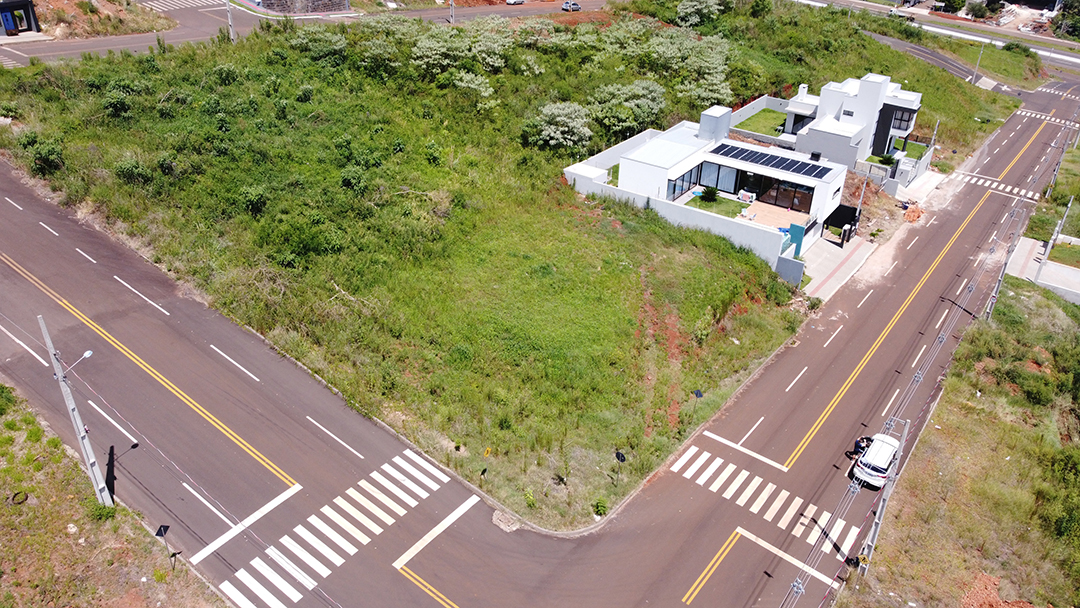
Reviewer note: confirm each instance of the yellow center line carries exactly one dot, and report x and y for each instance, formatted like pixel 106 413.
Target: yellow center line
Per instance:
pixel 1067 92
pixel 172 388
pixel 1024 149
pixel 707 572
pixel 432 591
pixel 881 338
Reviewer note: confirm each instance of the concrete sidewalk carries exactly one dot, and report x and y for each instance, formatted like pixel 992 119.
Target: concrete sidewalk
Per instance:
pixel 830 266
pixel 1059 278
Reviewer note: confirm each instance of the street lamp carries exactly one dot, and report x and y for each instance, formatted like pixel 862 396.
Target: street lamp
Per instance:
pixel 85 355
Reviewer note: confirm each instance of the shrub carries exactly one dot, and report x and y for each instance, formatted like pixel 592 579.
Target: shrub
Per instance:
pixel 7 399
pixel 253 199
pixel 888 160
pixel 492 39
pixel 1019 48
pixel 305 93
pixel 281 109
pixel 624 110
pixel 709 194
pixel 432 154
pixel 760 8
pixel 97 511
pixel 472 82
pixel 131 171
pixel 321 45
pixel 10 109
pixel 696 12
pixel 530 500
pixel 226 74
pixel 46 157
pixel 352 178
pixel 977 10
pixel 116 104
pixel 599 507
pixel 559 125
pixel 439 51
pixel 86 7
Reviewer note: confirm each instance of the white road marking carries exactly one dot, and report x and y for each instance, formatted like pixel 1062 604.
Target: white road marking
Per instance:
pixel 722 478
pixel 890 402
pixel 771 513
pixel 384 482
pixel 697 465
pixel 437 530
pixel 233 361
pixel 25 347
pixel 931 222
pixel 846 546
pixel 734 487
pixel 890 269
pixel 992 237
pixel 405 481
pixel 747 435
pixel 1004 217
pixel 345 524
pixel 792 508
pixel 276 579
pixel 383 498
pixel 424 479
pixel 944 313
pixel 749 491
pixel 807 515
pixel 319 546
pixel 827 342
pixel 996 151
pixel 49 229
pixel 833 539
pixel 760 502
pixel 912 243
pixel 864 298
pixel 375 528
pixel 306 557
pixel 325 430
pixel 715 464
pixel 962 283
pixel 13 203
pixel 683 459
pixel 796 379
pixel 732 444
pixel 787 558
pixel 818 527
pixel 152 303
pixel 1000 186
pixel 86 256
pixel 363 500
pixel 332 534
pixel 240 527
pixel 430 468
pixel 235 595
pixel 294 570
pixel 201 499
pixel 918 355
pixel 263 593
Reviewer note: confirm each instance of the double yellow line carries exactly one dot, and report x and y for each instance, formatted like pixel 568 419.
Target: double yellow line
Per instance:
pixel 705 574
pixel 432 591
pixel 1024 149
pixel 881 338
pixel 237 439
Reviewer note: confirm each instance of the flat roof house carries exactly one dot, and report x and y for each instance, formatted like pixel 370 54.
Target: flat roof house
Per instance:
pixel 792 192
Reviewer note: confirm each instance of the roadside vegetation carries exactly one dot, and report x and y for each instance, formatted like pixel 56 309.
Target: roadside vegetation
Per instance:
pixel 1050 209
pixel 382 201
pixel 86 18
pixel 60 547
pixel 993 485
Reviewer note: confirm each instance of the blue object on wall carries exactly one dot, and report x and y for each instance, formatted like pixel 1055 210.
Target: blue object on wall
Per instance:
pixel 797 232
pixel 9 21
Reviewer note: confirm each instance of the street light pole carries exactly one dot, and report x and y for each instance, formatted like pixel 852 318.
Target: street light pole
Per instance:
pixel 96 478
pixel 228 11
pixel 975 76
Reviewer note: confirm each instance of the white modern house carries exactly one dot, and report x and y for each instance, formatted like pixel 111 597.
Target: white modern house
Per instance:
pixel 789 194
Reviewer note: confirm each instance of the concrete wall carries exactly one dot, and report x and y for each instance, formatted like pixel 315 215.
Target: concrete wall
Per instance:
pixel 642 178
pixel 791 270
pixel 835 148
pixel 787 143
pixel 306 6
pixel 764 241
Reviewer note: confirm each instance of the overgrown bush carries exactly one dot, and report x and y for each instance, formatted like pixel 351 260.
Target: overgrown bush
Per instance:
pixel 977 10
pixel 559 126
pixel 132 171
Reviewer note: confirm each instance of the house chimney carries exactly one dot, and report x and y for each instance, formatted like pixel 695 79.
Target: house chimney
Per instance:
pixel 715 123
pixel 815 156
pixel 802 90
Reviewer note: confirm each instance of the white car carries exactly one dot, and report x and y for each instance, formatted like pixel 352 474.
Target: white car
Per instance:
pixel 872 467
pixel 512 2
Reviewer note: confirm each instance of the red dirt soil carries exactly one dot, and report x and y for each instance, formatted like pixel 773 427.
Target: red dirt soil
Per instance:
pixel 983 593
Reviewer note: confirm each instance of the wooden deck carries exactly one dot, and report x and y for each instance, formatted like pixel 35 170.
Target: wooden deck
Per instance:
pixel 771 215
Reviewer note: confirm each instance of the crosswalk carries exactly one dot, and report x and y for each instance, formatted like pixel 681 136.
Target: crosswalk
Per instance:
pixel 993 184
pixel 731 483
pixel 1047 118
pixel 162 6
pixel 1047 89
pixel 321 542
pixel 8 62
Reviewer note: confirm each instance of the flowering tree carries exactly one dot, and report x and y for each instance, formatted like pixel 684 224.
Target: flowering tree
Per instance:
pixel 559 125
pixel 623 110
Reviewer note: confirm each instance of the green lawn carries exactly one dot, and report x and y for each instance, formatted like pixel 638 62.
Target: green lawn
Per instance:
pixel 722 206
pixel 1065 253
pixel 915 150
pixel 1008 67
pixel 767 122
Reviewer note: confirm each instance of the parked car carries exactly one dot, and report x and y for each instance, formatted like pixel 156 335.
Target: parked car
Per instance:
pixel 515 1
pixel 901 15
pixel 571 6
pixel 872 466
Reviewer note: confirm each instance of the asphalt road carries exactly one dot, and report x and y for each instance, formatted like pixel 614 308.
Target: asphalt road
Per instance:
pixel 271 485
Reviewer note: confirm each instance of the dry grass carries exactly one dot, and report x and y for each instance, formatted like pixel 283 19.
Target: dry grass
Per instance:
pixel 55 553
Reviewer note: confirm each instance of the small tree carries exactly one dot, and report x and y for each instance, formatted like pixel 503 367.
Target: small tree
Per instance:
pixel 559 125
pixel 760 8
pixel 696 12
pixel 977 10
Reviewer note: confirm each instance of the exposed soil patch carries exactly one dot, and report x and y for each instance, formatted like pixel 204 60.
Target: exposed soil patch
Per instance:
pixel 983 593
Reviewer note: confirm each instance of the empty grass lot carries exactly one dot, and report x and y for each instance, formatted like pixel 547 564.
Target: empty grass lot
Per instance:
pixel 721 206
pixel 767 122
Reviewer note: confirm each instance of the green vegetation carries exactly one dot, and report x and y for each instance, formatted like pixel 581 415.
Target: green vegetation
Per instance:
pixel 1049 210
pixel 798 44
pixel 1066 253
pixel 993 485
pixel 1014 64
pixel 914 150
pixel 60 546
pixel 399 228
pixel 721 206
pixel 767 122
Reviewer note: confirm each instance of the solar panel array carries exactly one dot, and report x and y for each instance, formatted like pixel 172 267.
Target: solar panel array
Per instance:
pixel 772 161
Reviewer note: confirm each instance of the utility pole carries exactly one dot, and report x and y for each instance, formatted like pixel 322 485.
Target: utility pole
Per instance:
pixel 1050 245
pixel 975 76
pixel 228 11
pixel 451 12
pixel 96 478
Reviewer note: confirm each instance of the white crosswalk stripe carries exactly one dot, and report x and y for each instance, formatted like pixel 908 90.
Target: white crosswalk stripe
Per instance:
pixel 408 468
pixel 760 502
pixel 709 471
pixel 396 491
pixel 846 546
pixel 734 487
pixel 779 502
pixel 358 516
pixel 345 524
pixel 234 594
pixel 170 5
pixel 305 557
pixel 257 587
pixel 332 534
pixel 8 63
pixel 722 478
pixel 817 527
pixel 749 491
pixel 405 481
pixel 290 567
pixel 697 465
pixel 383 498
pixel 682 459
pixel 275 578
pixel 804 521
pixel 436 473
pixel 360 498
pixel 318 545
pixel 792 509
